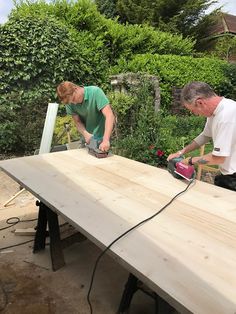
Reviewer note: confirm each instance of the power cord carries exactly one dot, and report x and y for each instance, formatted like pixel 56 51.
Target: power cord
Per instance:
pixel 11 246
pixel 17 220
pixel 122 235
pixel 12 221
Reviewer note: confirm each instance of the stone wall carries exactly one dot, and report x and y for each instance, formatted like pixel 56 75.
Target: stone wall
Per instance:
pixel 121 81
pixel 176 107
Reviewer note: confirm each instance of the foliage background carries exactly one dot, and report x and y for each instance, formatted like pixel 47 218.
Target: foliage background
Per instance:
pixel 43 44
pixel 173 70
pixel 186 17
pixel 35 55
pixel 147 135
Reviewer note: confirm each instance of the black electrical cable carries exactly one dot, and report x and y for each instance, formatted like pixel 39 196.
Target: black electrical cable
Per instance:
pixel 13 223
pixel 8 221
pixel 122 235
pixel 10 246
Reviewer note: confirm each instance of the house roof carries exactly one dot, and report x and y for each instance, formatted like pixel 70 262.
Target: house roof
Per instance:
pixel 225 23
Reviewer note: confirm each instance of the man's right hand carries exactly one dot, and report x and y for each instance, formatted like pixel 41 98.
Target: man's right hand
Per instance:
pixel 87 137
pixel 104 146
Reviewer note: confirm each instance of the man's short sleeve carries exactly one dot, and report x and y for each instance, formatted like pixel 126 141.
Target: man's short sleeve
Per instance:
pixel 223 142
pixel 101 99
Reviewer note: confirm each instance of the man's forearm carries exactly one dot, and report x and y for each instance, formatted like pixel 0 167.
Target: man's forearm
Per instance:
pixel 208 159
pixel 87 136
pixel 81 128
pixel 192 146
pixel 109 124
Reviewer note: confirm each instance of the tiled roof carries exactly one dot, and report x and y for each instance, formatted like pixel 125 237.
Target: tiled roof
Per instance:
pixel 226 23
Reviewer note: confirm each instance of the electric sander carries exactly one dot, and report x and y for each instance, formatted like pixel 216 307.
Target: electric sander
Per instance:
pixel 93 148
pixel 180 170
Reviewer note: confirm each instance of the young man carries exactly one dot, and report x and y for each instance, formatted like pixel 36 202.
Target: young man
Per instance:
pixel 90 111
pixel 200 99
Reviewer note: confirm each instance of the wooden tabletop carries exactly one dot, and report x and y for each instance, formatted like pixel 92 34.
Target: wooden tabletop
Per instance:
pixel 187 254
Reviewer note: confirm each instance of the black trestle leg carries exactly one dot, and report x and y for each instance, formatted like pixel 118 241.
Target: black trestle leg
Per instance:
pixel 130 289
pixel 55 240
pixel 163 307
pixel 131 286
pixel 47 216
pixel 40 236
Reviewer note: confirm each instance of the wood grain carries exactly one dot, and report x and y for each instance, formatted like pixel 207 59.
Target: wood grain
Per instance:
pixel 187 254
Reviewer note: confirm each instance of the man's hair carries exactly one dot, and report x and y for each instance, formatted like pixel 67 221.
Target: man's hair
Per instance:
pixel 65 90
pixel 195 90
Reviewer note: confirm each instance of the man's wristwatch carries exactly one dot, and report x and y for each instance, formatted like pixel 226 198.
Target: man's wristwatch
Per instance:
pixel 190 161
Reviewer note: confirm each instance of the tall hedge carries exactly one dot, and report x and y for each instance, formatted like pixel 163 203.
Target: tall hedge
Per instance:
pixel 119 40
pixel 128 40
pixel 173 70
pixel 35 55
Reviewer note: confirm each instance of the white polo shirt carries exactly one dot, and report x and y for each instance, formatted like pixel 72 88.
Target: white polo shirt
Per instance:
pixel 221 127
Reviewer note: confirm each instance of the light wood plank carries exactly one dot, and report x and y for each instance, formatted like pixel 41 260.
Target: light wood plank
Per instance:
pixel 188 252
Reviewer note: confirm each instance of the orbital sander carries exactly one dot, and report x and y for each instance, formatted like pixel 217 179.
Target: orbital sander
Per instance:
pixel 93 148
pixel 180 170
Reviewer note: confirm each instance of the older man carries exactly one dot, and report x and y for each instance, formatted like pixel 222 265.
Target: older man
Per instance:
pixel 200 99
pixel 90 111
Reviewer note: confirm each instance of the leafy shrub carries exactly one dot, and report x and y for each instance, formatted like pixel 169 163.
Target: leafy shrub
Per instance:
pixel 8 125
pixel 119 40
pixel 123 106
pixel 169 138
pixel 60 134
pixel 177 71
pixel 136 120
pixel 35 55
pixel 229 88
pixel 128 40
pixel 175 132
pixel 82 14
pixel 144 134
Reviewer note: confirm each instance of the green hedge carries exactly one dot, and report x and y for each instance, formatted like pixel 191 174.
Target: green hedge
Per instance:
pixel 118 40
pixel 128 40
pixel 36 54
pixel 176 71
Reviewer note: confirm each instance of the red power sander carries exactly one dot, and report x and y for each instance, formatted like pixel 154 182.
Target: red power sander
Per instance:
pixel 180 170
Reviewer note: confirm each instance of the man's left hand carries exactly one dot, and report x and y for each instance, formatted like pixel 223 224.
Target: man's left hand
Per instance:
pixel 104 146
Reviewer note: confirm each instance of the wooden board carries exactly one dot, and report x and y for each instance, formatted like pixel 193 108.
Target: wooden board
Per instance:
pixel 187 254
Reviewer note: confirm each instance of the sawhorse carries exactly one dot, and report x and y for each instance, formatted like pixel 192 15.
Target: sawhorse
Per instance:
pixel 46 216
pixel 131 286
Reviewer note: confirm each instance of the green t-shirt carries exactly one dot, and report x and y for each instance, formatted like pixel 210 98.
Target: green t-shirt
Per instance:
pixel 89 110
